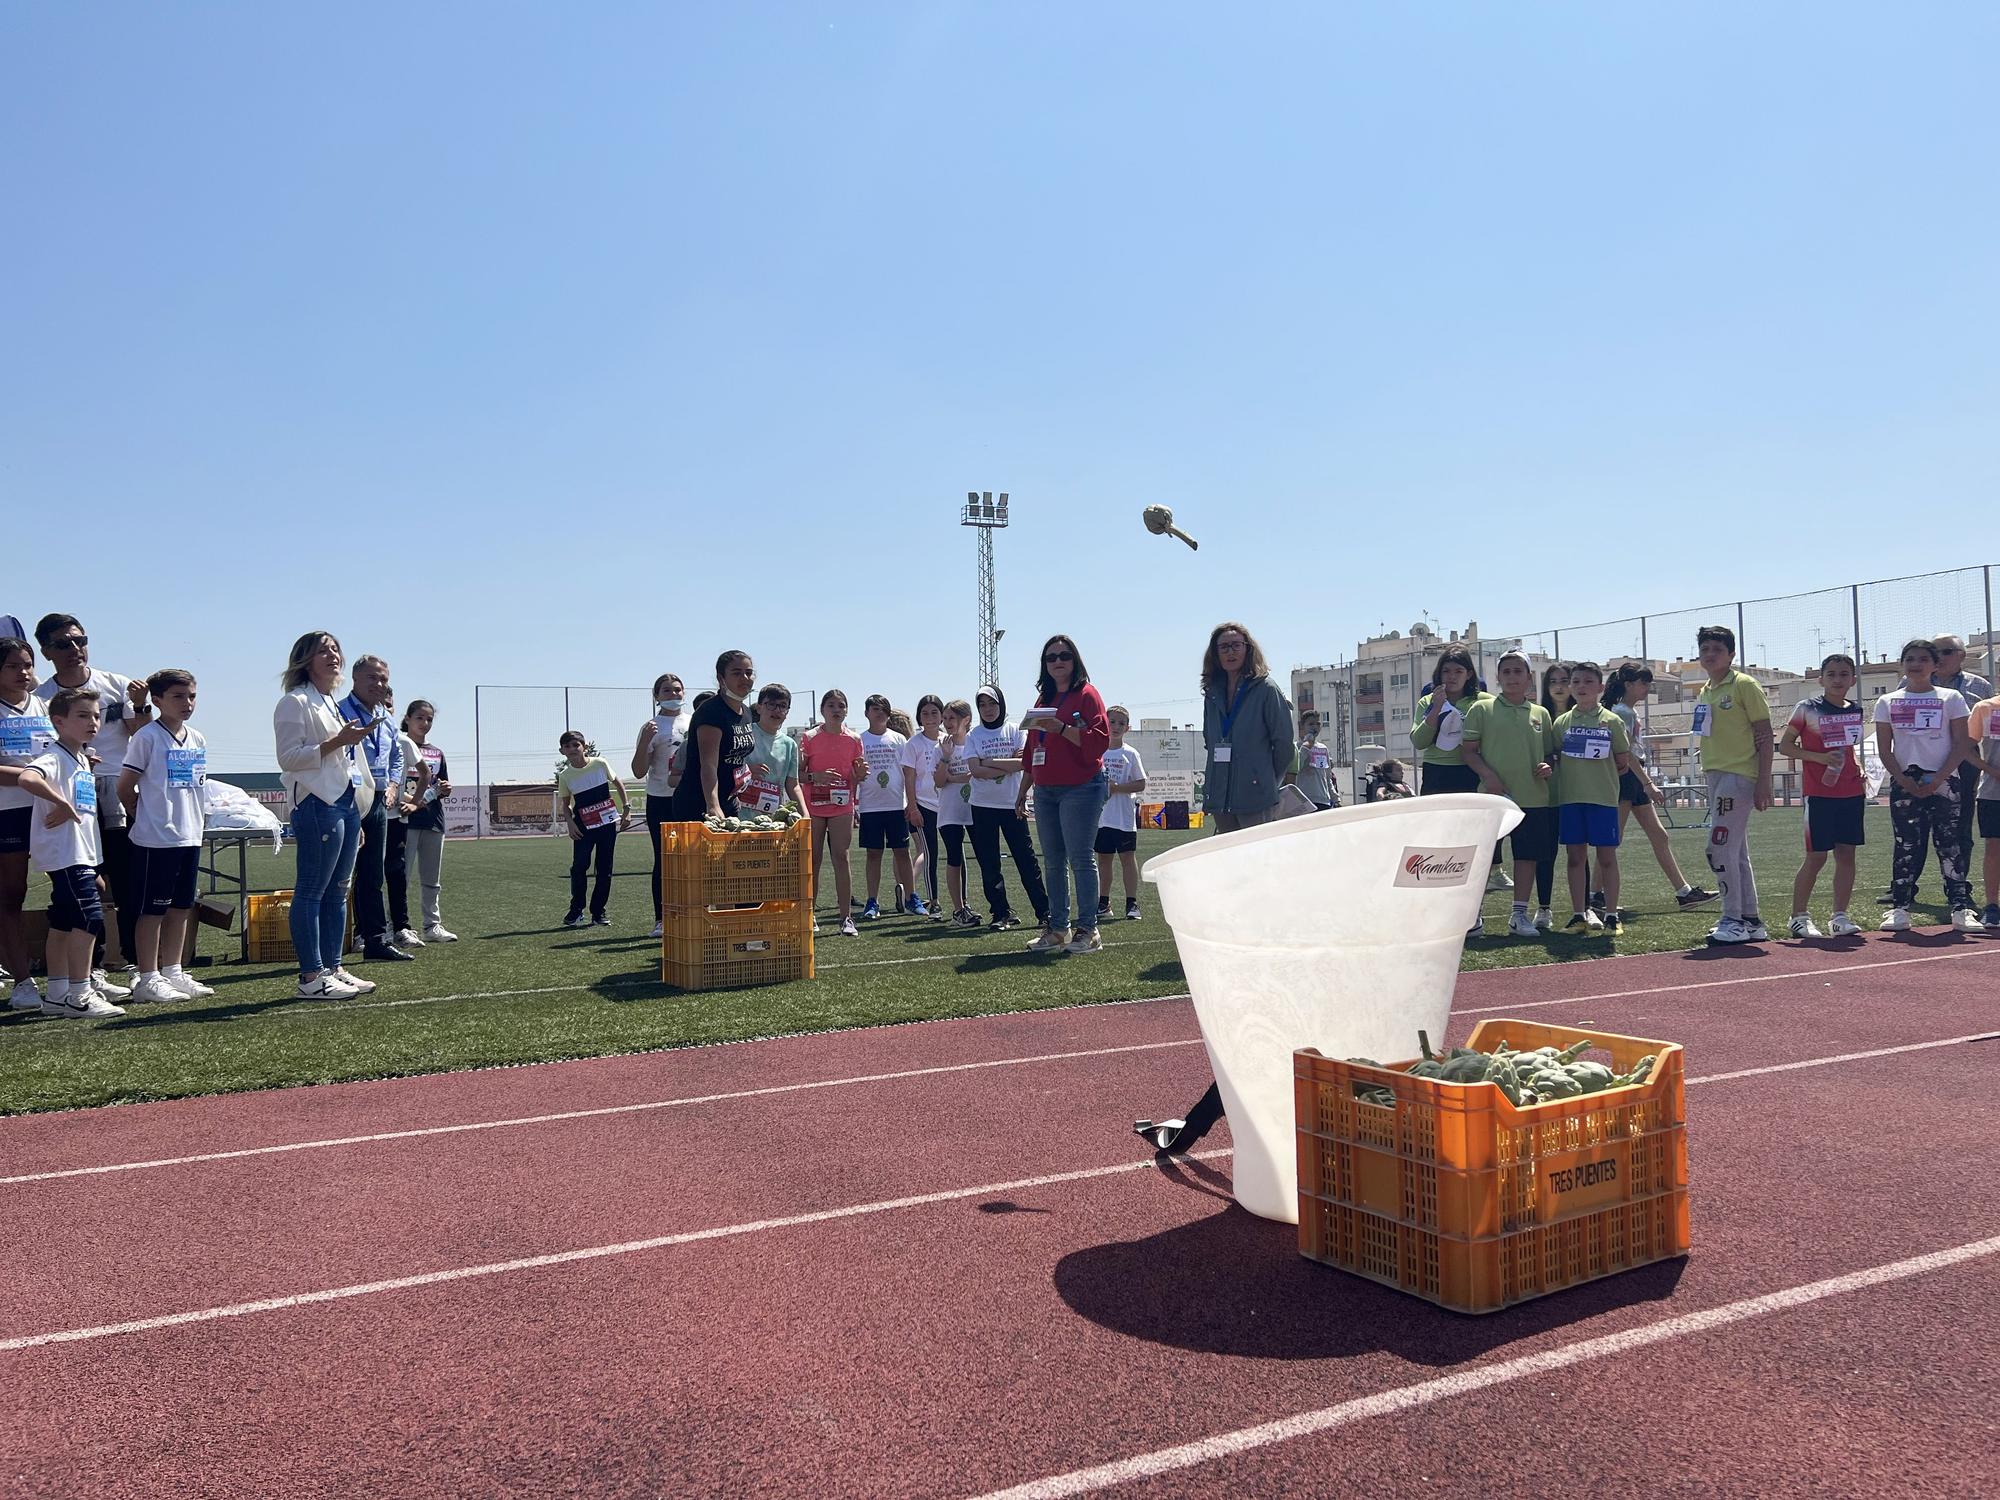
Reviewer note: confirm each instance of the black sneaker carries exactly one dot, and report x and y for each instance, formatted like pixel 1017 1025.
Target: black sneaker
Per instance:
pixel 1104 906
pixel 1597 902
pixel 600 921
pixel 1990 918
pixel 1132 910
pixel 1005 924
pixel 1694 895
pixel 381 953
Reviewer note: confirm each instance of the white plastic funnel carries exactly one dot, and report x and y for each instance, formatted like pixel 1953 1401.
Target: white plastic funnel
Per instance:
pixel 1340 930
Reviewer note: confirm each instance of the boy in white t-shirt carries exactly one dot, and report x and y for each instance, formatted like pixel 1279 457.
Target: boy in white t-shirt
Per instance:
pixel 1922 737
pixel 880 807
pixel 920 792
pixel 1118 827
pixel 65 844
pixel 160 788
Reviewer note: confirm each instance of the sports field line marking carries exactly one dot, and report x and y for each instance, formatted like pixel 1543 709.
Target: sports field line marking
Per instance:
pixel 568 1257
pixel 646 1105
pixel 1719 984
pixel 1430 1392
pixel 592 1114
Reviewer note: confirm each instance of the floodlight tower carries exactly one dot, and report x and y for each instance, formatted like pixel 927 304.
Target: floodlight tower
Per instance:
pixel 985 517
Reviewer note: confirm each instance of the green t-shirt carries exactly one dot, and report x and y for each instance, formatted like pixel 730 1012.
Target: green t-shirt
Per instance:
pixel 1735 706
pixel 1513 740
pixel 773 763
pixel 1589 742
pixel 1441 742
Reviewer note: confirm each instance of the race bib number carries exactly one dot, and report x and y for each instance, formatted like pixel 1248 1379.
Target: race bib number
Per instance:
pixel 187 769
pixel 598 815
pixel 1041 758
pixel 25 734
pixel 1222 755
pixel 1704 720
pixel 1587 744
pixel 1451 729
pixel 1836 731
pixel 85 795
pixel 838 796
pixel 1911 713
pixel 1318 760
pixel 740 779
pixel 762 795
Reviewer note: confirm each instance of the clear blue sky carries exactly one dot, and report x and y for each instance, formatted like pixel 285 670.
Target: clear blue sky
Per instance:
pixel 532 343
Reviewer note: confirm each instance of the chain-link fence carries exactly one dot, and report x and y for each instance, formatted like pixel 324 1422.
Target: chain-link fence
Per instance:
pixel 1368 702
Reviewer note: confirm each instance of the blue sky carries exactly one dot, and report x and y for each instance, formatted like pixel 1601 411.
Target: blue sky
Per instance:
pixel 567 344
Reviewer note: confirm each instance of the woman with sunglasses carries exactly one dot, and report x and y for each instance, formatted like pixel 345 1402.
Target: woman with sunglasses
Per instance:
pixel 1248 729
pixel 834 767
pixel 1068 733
pixel 719 745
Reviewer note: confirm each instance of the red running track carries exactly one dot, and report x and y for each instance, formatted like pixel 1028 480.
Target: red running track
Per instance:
pixel 1006 1329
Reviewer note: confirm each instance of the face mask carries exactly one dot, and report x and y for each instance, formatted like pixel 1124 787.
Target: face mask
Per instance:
pixel 670 705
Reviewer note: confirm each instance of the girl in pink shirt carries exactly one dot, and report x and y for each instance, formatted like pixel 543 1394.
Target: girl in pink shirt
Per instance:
pixel 833 767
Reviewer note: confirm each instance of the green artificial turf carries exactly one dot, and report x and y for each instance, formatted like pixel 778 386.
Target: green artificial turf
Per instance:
pixel 518 989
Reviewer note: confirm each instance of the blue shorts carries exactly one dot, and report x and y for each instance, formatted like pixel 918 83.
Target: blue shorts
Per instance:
pixel 14 830
pixel 73 901
pixel 1589 823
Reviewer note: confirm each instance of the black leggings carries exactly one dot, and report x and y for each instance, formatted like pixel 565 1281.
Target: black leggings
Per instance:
pixel 601 843
pixel 930 836
pixel 658 810
pixel 989 826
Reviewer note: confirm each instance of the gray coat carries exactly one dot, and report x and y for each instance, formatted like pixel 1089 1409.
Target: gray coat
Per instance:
pixel 1260 745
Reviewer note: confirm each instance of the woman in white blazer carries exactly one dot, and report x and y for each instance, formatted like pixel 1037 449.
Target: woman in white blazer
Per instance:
pixel 323 777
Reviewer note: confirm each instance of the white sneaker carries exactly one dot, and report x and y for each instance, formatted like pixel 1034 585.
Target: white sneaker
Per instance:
pixel 101 982
pixel 1897 920
pixel 847 928
pixel 326 987
pixel 355 982
pixel 435 934
pixel 1498 879
pixel 26 996
pixel 1802 927
pixel 1477 929
pixel 406 937
pixel 81 1005
pixel 1049 940
pixel 153 989
pixel 1842 925
pixel 1729 930
pixel 1754 930
pixel 1520 924
pixel 660 928
pixel 1545 920
pixel 1965 919
pixel 186 984
pixel 1085 942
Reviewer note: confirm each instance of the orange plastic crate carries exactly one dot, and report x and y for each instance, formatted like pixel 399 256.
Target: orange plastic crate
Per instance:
pixel 267 918
pixel 735 947
pixel 1459 1197
pixel 700 867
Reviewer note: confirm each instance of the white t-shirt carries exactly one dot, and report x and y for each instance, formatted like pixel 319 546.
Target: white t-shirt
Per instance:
pixel 668 736
pixel 1920 724
pixel 1001 742
pixel 114 698
pixel 921 755
pixel 1121 809
pixel 412 758
pixel 74 843
pixel 954 798
pixel 25 732
pixel 172 773
pixel 883 790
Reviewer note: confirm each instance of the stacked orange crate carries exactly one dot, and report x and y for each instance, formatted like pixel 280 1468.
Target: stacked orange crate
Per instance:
pixel 736 907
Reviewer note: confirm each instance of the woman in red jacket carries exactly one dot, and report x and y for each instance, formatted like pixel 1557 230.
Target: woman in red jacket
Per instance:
pixel 1067 737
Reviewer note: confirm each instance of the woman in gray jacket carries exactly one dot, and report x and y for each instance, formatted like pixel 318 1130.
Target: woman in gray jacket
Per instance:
pixel 1247 725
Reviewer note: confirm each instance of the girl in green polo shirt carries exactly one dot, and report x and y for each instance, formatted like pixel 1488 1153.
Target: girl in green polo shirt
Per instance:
pixel 1439 730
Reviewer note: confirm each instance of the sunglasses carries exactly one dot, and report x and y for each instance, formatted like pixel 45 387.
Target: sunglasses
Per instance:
pixel 69 643
pixel 1060 656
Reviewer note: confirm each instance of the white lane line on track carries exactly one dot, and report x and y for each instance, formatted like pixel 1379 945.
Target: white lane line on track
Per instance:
pixel 1821 1062
pixel 564 1257
pixel 567 1257
pixel 592 1114
pixel 1430 1392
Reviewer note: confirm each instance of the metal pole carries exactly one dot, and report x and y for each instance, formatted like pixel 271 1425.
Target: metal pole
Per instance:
pixel 1558 643
pixel 1741 644
pixel 1646 660
pixel 566 725
pixel 478 773
pixel 1986 573
pixel 1860 656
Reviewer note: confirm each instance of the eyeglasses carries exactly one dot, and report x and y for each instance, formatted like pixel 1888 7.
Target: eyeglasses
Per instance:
pixel 1229 645
pixel 1060 656
pixel 69 643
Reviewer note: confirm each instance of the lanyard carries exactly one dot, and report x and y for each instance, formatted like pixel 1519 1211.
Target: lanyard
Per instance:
pixel 1229 717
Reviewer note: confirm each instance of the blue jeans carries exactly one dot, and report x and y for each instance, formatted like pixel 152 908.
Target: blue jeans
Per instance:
pixel 328 835
pixel 1066 817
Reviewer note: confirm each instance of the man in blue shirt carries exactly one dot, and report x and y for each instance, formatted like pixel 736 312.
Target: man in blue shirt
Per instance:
pixel 368 704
